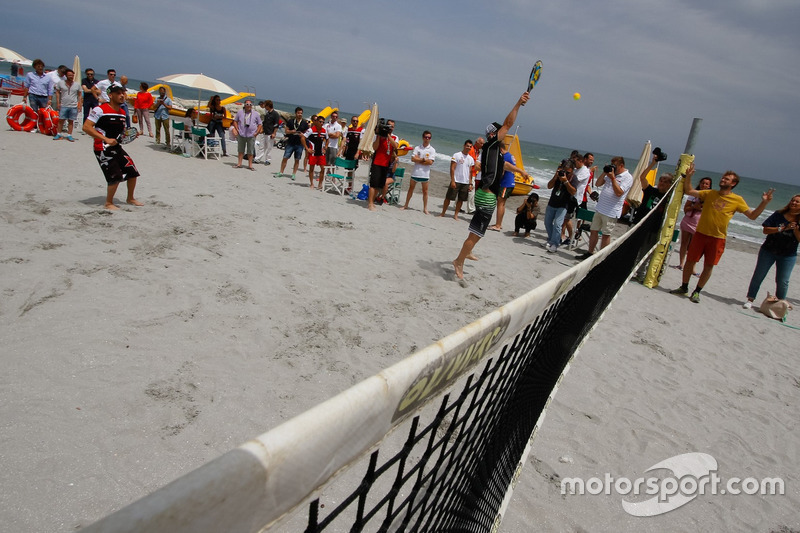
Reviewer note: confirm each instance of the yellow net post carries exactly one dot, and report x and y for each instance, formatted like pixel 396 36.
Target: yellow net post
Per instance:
pixel 656 267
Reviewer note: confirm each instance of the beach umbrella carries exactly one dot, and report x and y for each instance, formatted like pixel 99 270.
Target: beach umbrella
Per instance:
pixel 635 193
pixel 365 144
pixel 201 82
pixel 76 68
pixel 11 56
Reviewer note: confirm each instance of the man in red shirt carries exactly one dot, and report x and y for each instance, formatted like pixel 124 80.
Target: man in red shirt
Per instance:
pixel 384 147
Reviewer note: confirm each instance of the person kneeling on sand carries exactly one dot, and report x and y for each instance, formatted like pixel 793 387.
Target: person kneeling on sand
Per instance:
pixel 526 215
pixel 106 124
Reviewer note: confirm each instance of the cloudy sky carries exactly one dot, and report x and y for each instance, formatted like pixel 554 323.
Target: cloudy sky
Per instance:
pixel 645 68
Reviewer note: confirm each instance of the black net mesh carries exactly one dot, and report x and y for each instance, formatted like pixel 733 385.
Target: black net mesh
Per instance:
pixel 452 473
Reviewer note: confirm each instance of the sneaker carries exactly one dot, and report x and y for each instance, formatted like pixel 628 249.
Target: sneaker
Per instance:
pixel 70 138
pixel 552 248
pixel 293 176
pixel 565 242
pixel 57 137
pixel 277 174
pixel 695 297
pixel 679 290
pixel 584 256
pixel 747 305
pixel 267 163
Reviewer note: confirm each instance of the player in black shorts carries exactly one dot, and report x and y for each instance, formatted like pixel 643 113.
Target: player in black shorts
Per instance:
pixel 106 124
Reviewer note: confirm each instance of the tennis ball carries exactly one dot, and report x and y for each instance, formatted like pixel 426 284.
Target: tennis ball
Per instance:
pixel 576 96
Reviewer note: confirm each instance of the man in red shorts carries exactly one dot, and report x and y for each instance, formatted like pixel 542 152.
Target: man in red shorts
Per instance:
pixel 316 139
pixel 106 124
pixel 712 229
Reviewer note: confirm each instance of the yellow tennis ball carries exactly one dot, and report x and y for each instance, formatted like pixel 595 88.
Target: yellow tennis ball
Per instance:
pixel 576 96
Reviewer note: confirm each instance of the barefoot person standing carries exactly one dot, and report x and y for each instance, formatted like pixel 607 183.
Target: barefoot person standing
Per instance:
pixel 105 124
pixel 492 164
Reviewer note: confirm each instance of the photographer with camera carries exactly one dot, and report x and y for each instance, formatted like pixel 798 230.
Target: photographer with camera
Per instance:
pixel 615 181
pixel 384 148
pixel 526 215
pixel 652 195
pixel 564 188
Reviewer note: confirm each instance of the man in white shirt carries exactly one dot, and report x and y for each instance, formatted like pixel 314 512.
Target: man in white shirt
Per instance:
pixel 616 181
pixel 101 89
pixel 334 130
pixel 460 179
pixel 422 157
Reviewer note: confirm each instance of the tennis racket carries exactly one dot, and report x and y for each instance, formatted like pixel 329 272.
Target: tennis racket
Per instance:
pixel 129 135
pixel 536 73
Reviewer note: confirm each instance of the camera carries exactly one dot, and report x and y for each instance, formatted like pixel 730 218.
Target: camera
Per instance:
pixel 382 129
pixel 609 169
pixel 660 156
pixel 561 173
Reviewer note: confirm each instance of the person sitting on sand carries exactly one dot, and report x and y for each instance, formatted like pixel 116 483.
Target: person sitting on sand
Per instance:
pixel 526 215
pixel 486 198
pixel 106 124
pixel 712 229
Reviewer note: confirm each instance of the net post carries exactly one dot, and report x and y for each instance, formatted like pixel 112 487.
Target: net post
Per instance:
pixel 656 266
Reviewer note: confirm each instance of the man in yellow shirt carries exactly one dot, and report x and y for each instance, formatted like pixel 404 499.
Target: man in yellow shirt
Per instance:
pixel 712 229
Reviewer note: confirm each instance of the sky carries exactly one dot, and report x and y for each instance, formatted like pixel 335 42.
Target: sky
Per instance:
pixel 645 68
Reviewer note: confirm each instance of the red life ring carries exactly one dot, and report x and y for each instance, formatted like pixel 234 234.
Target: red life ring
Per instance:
pixel 27 114
pixel 48 121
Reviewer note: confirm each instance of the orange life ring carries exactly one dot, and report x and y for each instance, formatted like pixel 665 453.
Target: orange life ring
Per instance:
pixel 48 121
pixel 27 114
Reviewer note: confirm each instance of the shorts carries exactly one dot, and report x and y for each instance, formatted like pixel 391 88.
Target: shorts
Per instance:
pixel 116 164
pixel 330 155
pixel 572 206
pixel 461 191
pixel 603 224
pixel 296 149
pixel 702 245
pixel 485 203
pixel 420 180
pixel 247 145
pixel 68 113
pixel 317 160
pixel 377 176
pixel 505 192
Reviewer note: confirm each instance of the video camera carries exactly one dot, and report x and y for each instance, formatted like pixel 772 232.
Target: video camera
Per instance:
pixel 383 129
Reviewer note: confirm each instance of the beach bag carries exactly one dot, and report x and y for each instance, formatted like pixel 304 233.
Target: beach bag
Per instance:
pixel 135 119
pixel 364 193
pixel 775 308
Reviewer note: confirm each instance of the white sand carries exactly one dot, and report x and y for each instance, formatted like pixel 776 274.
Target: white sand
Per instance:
pixel 140 344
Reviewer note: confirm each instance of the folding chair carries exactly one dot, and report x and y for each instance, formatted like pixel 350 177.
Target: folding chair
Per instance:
pixel 393 194
pixel 337 180
pixel 199 145
pixel 179 137
pixel 583 222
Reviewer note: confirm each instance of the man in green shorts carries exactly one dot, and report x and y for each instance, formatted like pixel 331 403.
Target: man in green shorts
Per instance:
pixel 491 173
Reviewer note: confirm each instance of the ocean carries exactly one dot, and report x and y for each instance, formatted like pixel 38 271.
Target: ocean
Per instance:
pixel 541 160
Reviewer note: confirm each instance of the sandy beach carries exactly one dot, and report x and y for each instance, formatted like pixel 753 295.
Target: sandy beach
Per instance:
pixel 139 344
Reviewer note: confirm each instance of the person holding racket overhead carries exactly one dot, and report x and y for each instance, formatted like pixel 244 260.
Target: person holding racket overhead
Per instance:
pixel 106 124
pixel 492 164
